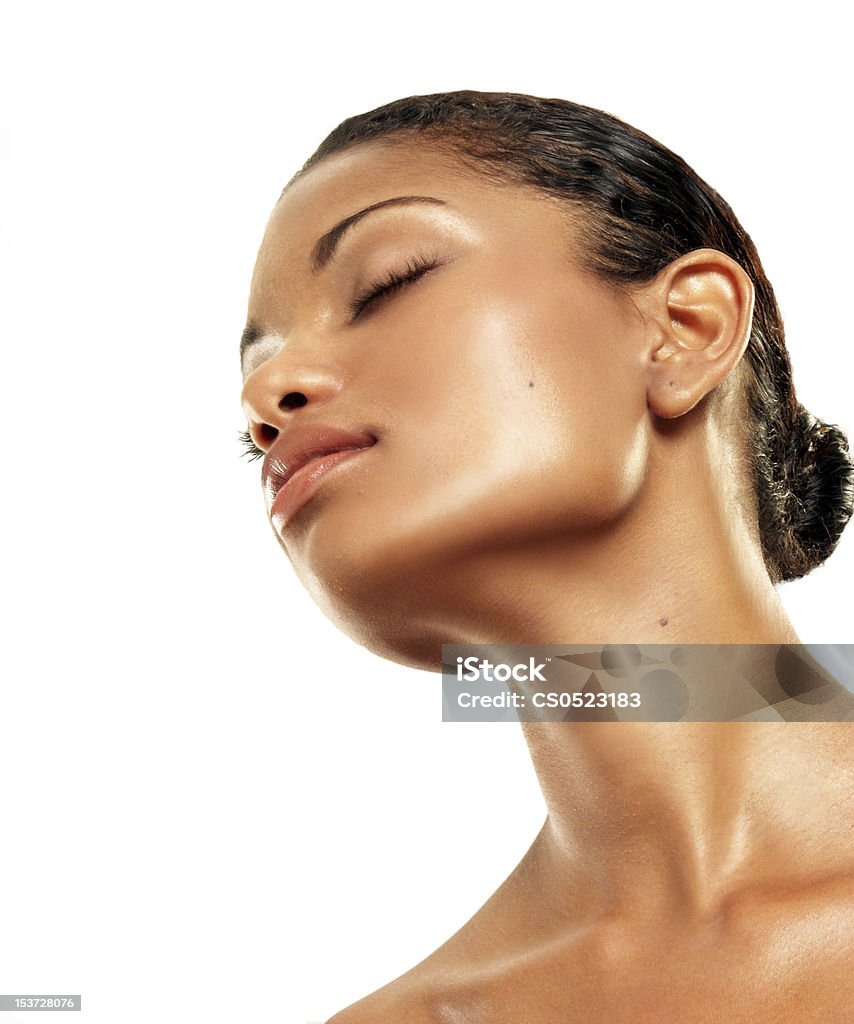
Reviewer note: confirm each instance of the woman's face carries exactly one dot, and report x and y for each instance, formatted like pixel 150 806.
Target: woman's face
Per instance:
pixel 498 393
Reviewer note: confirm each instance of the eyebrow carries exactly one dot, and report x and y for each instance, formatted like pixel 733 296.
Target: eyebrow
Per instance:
pixel 325 247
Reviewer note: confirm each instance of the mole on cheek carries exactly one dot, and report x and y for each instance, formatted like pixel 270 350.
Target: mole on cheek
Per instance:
pixel 662 622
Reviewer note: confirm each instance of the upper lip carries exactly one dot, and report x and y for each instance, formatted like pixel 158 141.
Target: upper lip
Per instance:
pixel 299 445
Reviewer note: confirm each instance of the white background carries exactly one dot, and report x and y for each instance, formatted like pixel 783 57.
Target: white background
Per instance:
pixel 196 823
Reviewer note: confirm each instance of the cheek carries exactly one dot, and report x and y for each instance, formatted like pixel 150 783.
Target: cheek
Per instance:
pixel 498 429
pixel 598 430
pixel 508 427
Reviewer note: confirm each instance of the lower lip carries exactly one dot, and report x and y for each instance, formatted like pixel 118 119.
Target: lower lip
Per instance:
pixel 303 484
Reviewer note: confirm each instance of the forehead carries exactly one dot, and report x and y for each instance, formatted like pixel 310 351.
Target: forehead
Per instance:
pixel 374 172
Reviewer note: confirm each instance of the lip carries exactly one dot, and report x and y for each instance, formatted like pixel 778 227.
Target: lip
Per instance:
pixel 300 460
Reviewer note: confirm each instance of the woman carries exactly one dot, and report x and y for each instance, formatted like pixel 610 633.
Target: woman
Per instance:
pixel 517 376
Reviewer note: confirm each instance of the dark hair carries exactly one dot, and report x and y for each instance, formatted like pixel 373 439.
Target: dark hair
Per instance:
pixel 643 207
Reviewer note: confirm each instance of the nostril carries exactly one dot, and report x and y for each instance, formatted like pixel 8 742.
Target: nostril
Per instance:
pixel 293 400
pixel 266 435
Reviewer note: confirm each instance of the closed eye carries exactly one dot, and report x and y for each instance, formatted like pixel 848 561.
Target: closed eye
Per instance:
pixel 392 282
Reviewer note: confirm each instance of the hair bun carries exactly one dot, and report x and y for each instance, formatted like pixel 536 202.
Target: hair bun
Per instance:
pixel 820 477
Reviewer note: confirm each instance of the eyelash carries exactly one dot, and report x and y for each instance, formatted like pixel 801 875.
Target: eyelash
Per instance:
pixel 392 282
pixel 251 450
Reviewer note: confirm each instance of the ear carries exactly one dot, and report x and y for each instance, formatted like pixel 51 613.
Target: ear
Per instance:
pixel 699 311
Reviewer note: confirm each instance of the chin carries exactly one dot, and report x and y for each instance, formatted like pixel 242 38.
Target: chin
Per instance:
pixel 383 622
pixel 387 593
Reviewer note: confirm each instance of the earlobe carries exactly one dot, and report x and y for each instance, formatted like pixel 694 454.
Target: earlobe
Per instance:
pixel 700 309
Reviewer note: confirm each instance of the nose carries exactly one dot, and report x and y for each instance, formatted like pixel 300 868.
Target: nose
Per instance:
pixel 282 384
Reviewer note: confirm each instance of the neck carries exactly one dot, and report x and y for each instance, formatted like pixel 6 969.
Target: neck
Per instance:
pixel 664 818
pixel 644 817
pixel 657 575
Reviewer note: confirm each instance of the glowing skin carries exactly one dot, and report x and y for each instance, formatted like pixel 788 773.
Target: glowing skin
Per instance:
pixel 556 462
pixel 511 395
